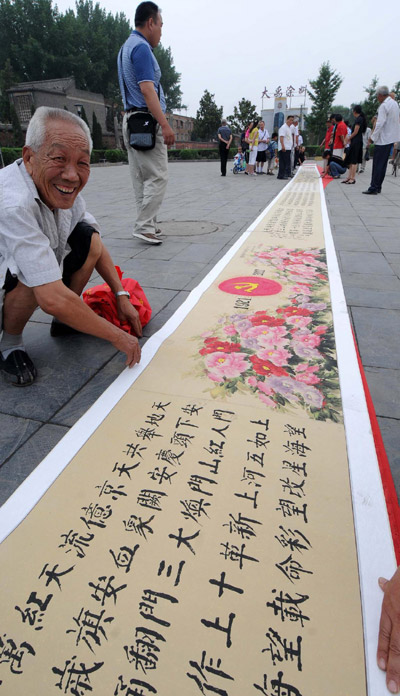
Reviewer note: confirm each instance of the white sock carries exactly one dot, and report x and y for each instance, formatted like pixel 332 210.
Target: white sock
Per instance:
pixel 9 343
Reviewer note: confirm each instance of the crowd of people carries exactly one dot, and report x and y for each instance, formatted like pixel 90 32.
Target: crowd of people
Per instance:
pixel 347 149
pixel 257 149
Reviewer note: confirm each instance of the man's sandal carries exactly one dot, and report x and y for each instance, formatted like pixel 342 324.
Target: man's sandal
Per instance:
pixel 20 367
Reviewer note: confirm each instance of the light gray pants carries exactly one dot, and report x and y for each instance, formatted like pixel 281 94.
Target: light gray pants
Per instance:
pixel 149 174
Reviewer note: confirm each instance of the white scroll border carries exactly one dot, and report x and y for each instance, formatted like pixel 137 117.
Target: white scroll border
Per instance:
pixel 374 540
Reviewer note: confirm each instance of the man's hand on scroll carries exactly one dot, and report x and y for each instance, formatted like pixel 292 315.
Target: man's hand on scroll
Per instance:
pixel 388 654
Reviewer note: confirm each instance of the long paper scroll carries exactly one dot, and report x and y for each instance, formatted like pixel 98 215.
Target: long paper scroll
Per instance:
pixel 202 540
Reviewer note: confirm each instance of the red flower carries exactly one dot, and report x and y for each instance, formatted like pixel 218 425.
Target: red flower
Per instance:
pixel 321 276
pixel 213 345
pixel 261 318
pixel 267 368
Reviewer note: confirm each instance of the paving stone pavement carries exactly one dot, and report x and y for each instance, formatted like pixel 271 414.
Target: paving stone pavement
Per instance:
pixel 202 215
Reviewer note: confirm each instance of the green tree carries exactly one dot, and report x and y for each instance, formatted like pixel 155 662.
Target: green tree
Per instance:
pixel 97 134
pixel 346 111
pixel 84 117
pixel 7 78
pixel 396 90
pixel 16 127
pixel 370 105
pixel 208 118
pixel 243 113
pixel 325 88
pixel 170 78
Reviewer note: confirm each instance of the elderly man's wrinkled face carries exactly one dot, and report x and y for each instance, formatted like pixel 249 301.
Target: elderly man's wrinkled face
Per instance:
pixel 61 167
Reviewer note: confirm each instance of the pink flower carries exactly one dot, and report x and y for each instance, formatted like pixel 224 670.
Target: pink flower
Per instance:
pixel 225 365
pixel 263 386
pixel 308 378
pixel 299 321
pixel 314 306
pixel 252 381
pixel 301 289
pixel 267 401
pixel 278 356
pixel 230 330
pixel 307 338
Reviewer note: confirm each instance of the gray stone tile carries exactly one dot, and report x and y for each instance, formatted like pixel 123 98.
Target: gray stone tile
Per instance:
pixel 390 430
pixel 158 321
pixel 158 274
pixel 364 262
pixel 365 297
pixel 14 432
pixel 204 253
pixel 24 461
pixel 354 241
pixel 384 385
pixel 378 336
pixel 371 281
pixel 165 251
pixel 64 365
pixel 388 241
pixel 90 392
pixel 158 298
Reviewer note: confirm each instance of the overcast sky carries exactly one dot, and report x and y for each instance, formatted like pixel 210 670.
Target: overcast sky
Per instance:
pixel 235 49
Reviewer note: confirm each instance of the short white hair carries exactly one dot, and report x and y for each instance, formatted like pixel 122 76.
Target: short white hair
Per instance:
pixel 36 131
pixel 382 91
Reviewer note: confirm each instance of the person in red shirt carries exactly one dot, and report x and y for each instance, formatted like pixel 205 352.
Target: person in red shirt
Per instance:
pixel 340 135
pixel 326 144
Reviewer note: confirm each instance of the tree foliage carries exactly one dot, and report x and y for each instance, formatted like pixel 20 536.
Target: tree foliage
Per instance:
pixel 40 43
pixel 243 113
pixel 325 88
pixel 396 90
pixel 370 105
pixel 208 118
pixel 170 78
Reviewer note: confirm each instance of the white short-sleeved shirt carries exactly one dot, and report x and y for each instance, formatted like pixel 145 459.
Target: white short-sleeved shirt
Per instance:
pixel 262 135
pixel 286 132
pixel 387 127
pixel 33 238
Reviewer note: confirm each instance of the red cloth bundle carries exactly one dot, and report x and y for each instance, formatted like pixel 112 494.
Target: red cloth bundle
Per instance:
pixel 103 301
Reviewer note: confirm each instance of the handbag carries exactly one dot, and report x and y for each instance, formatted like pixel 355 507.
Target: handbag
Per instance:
pixel 142 127
pixel 102 300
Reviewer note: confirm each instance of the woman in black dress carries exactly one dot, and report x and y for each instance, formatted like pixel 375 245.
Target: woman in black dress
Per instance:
pixel 355 153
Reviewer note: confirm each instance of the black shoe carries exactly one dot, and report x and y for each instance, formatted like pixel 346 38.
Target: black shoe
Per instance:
pixel 20 366
pixel 370 193
pixel 57 328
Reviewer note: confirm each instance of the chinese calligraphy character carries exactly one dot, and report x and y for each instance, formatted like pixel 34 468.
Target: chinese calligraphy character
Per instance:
pixel 124 557
pixel 224 585
pixel 290 509
pixel 105 590
pixel 242 526
pixel 287 607
pixel 75 680
pixel 76 541
pixel 233 553
pixel 137 525
pixel 150 499
pixel 216 624
pixel 53 575
pixel 91 628
pixel 294 539
pixel 149 601
pixel 283 649
pixel 144 653
pixel 13 655
pixel 35 616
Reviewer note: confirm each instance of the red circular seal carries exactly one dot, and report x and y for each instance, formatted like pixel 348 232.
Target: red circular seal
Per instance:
pixel 250 286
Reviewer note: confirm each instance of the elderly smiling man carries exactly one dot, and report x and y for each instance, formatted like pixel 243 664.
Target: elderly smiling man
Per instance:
pixel 49 244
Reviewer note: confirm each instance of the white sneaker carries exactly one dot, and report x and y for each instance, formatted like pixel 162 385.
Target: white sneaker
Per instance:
pixel 148 237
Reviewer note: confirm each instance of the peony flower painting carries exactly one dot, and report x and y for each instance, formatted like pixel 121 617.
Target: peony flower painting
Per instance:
pixel 283 357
